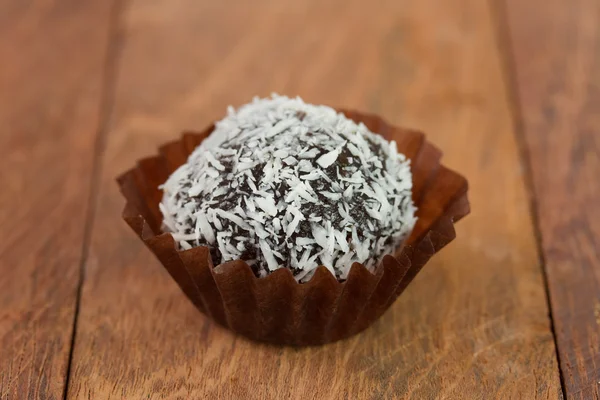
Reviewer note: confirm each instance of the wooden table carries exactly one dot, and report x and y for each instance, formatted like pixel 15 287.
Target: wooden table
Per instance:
pixel 509 89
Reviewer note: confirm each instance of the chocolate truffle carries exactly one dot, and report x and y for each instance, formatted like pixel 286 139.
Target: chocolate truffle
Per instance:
pixel 284 184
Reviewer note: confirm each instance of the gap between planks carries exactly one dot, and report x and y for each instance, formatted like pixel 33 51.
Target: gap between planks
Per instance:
pixel 499 15
pixel 107 100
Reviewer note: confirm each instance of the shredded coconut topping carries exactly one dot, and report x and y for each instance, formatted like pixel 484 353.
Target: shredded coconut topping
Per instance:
pixel 285 184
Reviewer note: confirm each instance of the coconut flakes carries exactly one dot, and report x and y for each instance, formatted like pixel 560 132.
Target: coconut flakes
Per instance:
pixel 270 184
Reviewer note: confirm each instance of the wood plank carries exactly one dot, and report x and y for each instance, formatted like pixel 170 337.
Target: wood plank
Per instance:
pixel 51 74
pixel 474 324
pixel 556 47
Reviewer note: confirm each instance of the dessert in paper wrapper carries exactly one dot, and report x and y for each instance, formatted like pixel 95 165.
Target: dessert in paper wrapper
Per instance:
pixel 316 223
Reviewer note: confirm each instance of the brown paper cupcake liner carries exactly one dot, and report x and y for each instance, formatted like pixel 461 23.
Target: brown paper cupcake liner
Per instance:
pixel 276 308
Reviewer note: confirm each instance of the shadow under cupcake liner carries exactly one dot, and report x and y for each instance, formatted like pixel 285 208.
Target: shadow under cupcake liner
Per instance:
pixel 276 308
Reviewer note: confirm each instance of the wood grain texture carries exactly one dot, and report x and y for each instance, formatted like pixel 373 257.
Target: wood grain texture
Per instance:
pixel 52 60
pixel 556 48
pixel 474 324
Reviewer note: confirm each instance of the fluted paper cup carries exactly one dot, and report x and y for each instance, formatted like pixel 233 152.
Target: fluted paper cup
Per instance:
pixel 276 308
